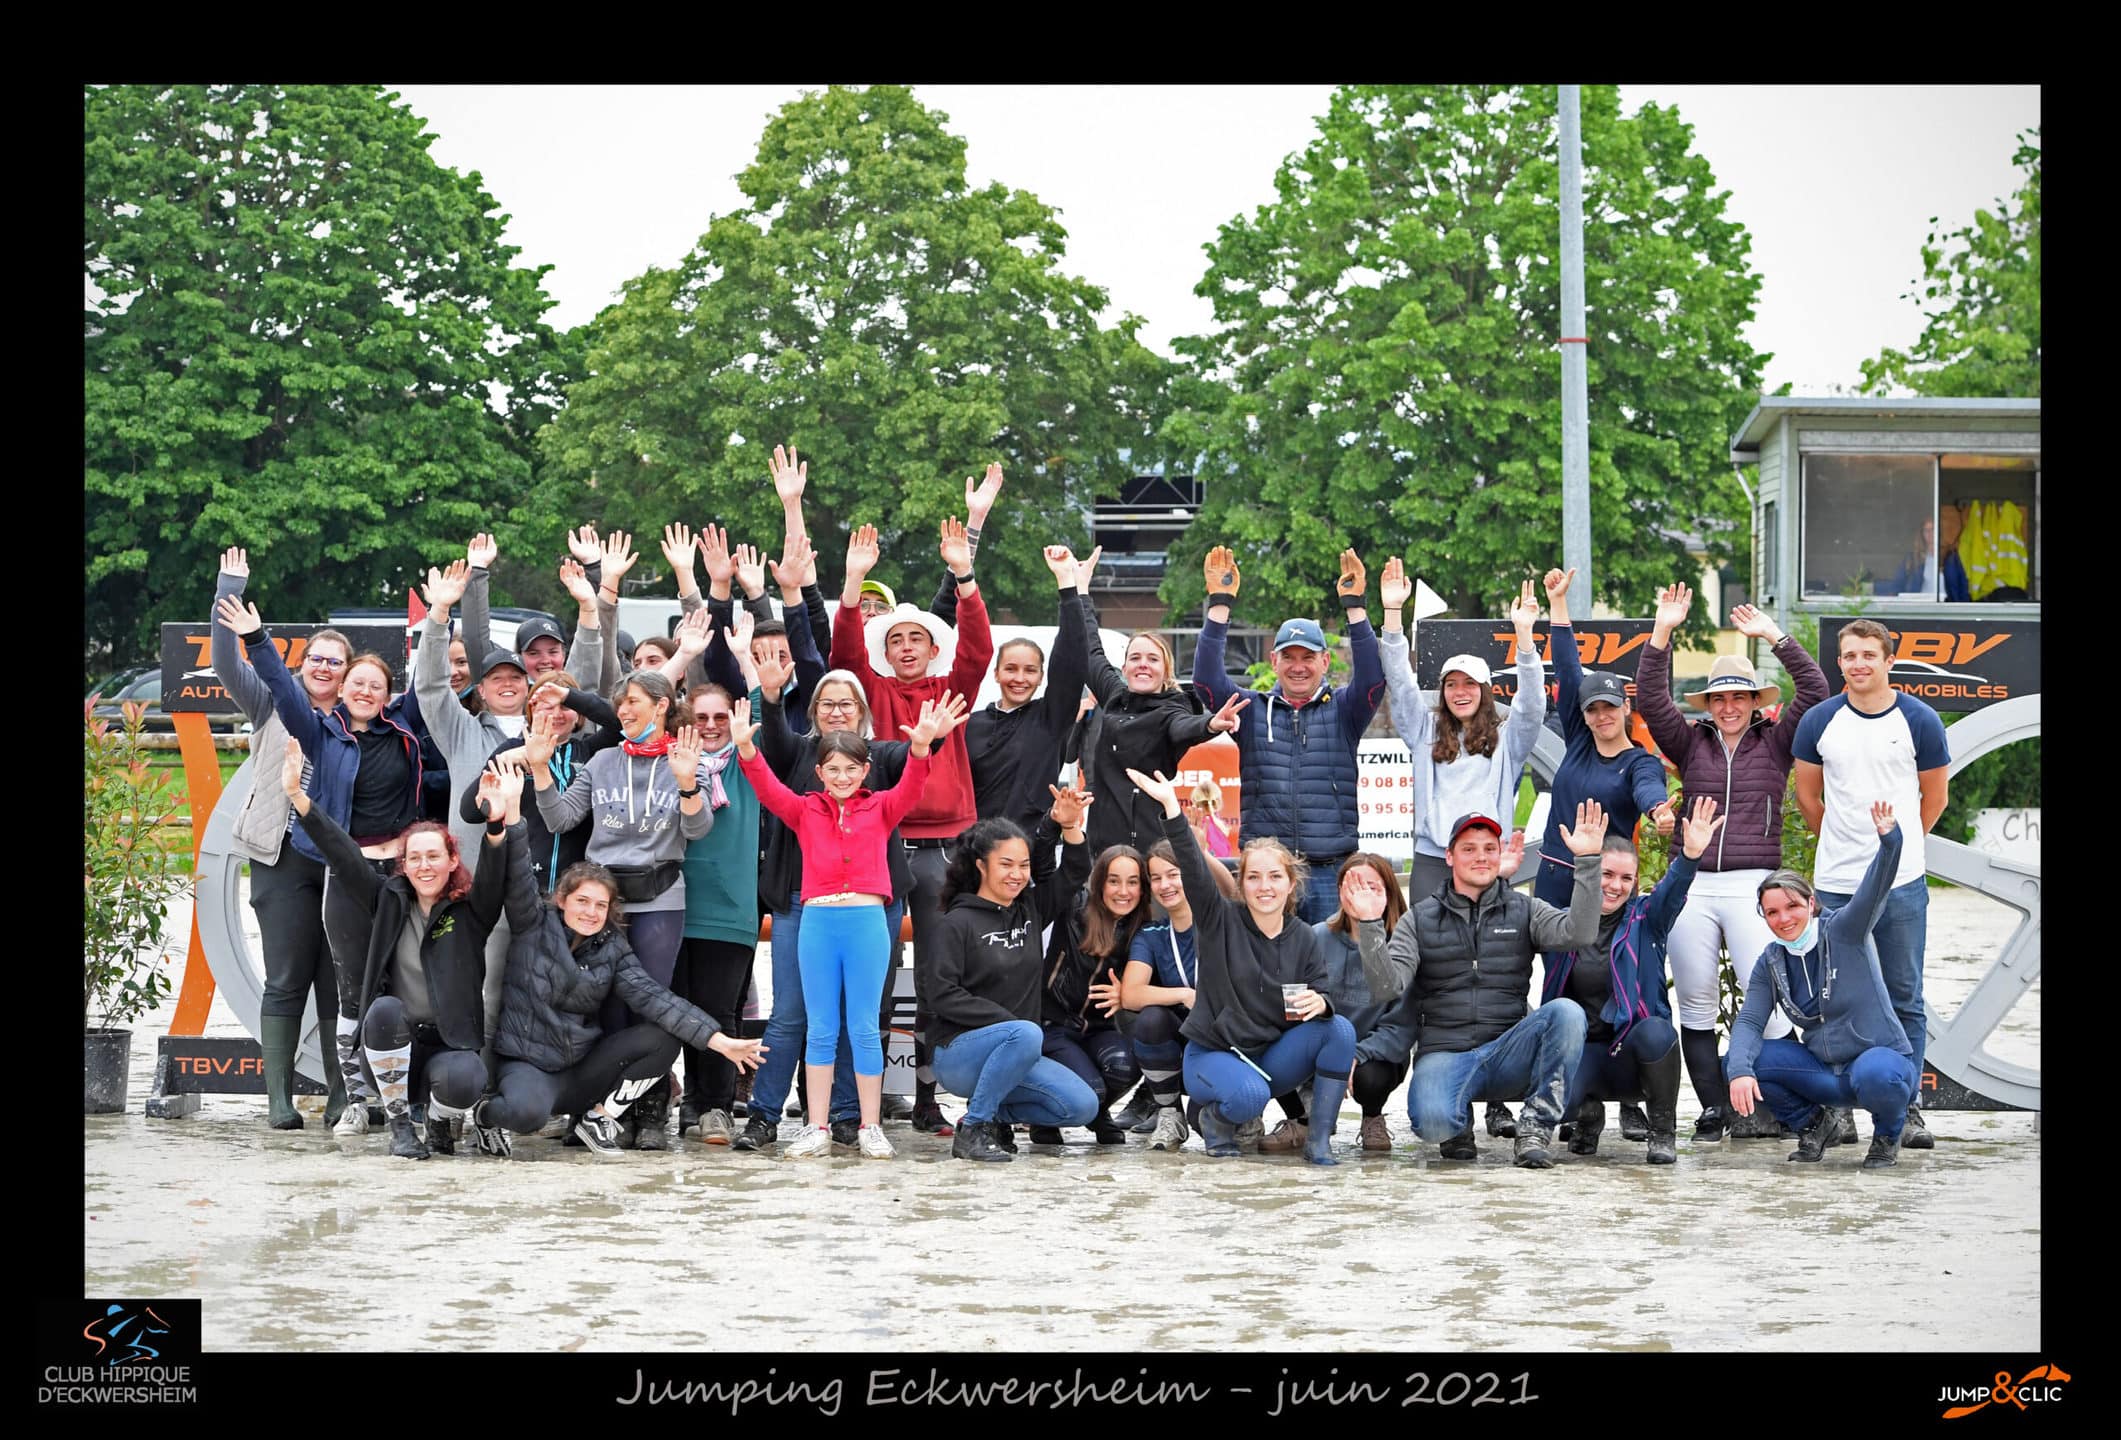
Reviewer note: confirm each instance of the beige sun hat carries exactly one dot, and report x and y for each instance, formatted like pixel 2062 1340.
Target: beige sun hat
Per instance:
pixel 1734 673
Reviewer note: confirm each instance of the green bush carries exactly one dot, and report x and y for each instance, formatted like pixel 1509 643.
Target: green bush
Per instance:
pixel 127 879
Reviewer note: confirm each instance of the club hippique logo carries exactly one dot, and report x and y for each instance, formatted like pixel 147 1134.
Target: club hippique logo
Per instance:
pixel 2024 1393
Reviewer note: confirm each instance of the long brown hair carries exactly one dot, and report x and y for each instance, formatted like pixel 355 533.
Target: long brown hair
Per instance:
pixel 1105 934
pixel 1395 898
pixel 1478 735
pixel 1224 880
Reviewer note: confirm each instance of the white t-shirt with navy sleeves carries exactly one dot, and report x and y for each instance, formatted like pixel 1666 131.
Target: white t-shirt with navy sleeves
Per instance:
pixel 1869 758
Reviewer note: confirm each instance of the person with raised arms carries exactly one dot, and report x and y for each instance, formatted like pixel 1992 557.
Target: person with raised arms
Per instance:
pixel 1014 742
pixel 1259 1024
pixel 1159 984
pixel 842 831
pixel 540 643
pixel 1364 985
pixel 1089 944
pixel 1823 971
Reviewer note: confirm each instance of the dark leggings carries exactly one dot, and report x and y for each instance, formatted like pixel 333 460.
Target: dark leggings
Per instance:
pixel 287 896
pixel 1374 1082
pixel 928 864
pixel 529 1096
pixel 656 937
pixel 347 923
pixel 455 1077
pixel 1102 1059
pixel 711 974
pixel 1158 1046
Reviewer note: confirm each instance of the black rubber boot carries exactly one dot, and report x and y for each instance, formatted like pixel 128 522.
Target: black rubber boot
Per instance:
pixel 973 1142
pixel 1590 1125
pixel 1500 1124
pixel 279 1036
pixel 404 1140
pixel 1634 1125
pixel 441 1140
pixel 1326 1093
pixel 1046 1135
pixel 1660 1085
pixel 1220 1133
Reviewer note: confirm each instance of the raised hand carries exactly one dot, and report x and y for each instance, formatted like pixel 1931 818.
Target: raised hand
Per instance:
pixel 1354 580
pixel 1224 720
pixel 1882 817
pixel 1070 805
pixel 1220 571
pixel 1393 586
pixel 1665 818
pixel 1557 586
pixel 1524 612
pixel 862 554
pixel 1757 623
pixel 979 500
pixel 482 552
pixel 1702 823
pixel 714 550
pixel 238 615
pixel 683 757
pixel 771 676
pixel 695 634
pixel 797 566
pixel 540 738
pixel 938 719
pixel 678 551
pixel 750 571
pixel 1673 603
pixel 235 561
pixel 501 793
pixel 741 728
pixel 618 557
pixel 1085 568
pixel 446 587
pixel 790 474
pixel 738 638
pixel 956 548
pixel 1157 788
pixel 291 771
pixel 1589 835
pixel 1512 855
pixel 584 546
pixel 1061 561
pixel 576 579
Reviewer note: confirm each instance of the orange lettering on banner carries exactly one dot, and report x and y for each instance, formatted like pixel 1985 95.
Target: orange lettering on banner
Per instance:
pixel 1968 650
pixel 1924 645
pixel 1617 645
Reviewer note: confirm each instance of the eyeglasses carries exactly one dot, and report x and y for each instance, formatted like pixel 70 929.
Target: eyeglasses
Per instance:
pixel 327 661
pixel 849 706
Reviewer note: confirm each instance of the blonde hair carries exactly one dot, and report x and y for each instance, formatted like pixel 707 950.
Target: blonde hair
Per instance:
pixel 1298 871
pixel 1210 794
pixel 1163 646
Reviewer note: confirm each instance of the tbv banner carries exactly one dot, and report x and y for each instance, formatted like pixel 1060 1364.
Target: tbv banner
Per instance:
pixel 1614 645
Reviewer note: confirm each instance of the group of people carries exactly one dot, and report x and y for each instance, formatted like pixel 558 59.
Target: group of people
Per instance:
pixel 529 883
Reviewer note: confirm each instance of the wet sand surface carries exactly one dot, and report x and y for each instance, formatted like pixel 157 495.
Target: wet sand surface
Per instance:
pixel 293 1242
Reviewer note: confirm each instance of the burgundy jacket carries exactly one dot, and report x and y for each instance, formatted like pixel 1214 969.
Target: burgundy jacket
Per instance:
pixel 1747 786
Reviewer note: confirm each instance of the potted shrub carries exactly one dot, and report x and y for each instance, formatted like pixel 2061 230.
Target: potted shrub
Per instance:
pixel 127 883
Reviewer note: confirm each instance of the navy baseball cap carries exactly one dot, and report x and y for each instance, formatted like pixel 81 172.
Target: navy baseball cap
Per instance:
pixel 1474 819
pixel 1601 687
pixel 1300 632
pixel 542 626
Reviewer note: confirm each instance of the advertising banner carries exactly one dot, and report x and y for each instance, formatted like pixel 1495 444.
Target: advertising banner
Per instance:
pixel 1950 664
pixel 188 681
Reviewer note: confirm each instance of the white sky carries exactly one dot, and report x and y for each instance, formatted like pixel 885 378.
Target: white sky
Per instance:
pixel 1836 185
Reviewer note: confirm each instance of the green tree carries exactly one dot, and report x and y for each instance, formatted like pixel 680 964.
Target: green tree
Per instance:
pixel 898 325
pixel 301 335
pixel 1385 372
pixel 1980 293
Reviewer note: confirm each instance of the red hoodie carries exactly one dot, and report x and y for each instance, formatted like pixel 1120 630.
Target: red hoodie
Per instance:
pixel 946 807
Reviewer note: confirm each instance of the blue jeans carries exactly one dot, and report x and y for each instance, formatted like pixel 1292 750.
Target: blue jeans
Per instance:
pixel 1901 935
pixel 1324 1046
pixel 1794 1082
pixel 788 1027
pixel 1321 899
pixel 1532 1061
pixel 1602 1075
pixel 1004 1078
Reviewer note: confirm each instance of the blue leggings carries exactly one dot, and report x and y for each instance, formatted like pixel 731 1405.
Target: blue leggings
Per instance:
pixel 843 951
pixel 1325 1046
pixel 1794 1082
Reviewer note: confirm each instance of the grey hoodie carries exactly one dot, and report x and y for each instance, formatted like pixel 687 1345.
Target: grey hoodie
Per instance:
pixel 632 805
pixel 1488 784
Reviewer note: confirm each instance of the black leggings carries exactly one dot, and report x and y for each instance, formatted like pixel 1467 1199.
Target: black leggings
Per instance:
pixel 287 896
pixel 347 925
pixel 1102 1059
pixel 529 1096
pixel 457 1078
pixel 1374 1082
pixel 711 974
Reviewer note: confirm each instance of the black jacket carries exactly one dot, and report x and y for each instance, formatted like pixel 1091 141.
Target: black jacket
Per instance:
pixel 453 947
pixel 1469 963
pixel 551 854
pixel 1016 755
pixel 1237 1000
pixel 1149 733
pixel 1069 972
pixel 982 966
pixel 793 759
pixel 554 990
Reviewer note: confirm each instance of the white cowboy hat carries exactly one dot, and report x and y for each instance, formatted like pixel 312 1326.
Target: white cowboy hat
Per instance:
pixel 1734 674
pixel 878 626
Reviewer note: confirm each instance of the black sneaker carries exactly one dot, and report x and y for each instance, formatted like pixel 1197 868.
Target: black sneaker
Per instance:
pixel 896 1107
pixel 440 1140
pixel 1139 1113
pixel 1634 1124
pixel 929 1119
pixel 1460 1147
pixel 972 1142
pixel 1916 1135
pixel 1884 1152
pixel 1818 1137
pixel 1532 1149
pixel 1500 1123
pixel 491 1139
pixel 847 1133
pixel 404 1140
pixel 1046 1135
pixel 759 1132
pixel 1590 1125
pixel 1711 1126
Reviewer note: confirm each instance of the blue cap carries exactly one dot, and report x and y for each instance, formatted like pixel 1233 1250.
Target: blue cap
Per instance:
pixel 1300 632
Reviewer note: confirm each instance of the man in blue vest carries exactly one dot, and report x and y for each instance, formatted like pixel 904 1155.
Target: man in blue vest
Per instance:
pixel 1296 742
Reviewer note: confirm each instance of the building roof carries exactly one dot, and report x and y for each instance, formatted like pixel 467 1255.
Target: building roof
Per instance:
pixel 1745 445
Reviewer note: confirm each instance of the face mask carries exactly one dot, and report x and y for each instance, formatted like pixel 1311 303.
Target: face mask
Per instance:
pixel 647 731
pixel 1803 944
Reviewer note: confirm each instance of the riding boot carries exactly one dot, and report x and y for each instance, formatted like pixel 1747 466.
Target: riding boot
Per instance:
pixel 279 1036
pixel 1660 1093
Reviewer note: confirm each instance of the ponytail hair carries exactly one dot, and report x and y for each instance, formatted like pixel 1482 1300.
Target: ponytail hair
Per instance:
pixel 975 845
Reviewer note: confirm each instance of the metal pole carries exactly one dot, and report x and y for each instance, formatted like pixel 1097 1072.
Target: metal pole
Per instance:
pixel 1575 401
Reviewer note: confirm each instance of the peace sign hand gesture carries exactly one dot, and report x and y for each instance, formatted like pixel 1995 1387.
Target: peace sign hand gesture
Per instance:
pixel 1224 720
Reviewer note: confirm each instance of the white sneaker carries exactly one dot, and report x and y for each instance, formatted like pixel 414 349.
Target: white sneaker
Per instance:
pixel 353 1120
pixel 714 1128
pixel 873 1144
pixel 816 1141
pixel 1170 1130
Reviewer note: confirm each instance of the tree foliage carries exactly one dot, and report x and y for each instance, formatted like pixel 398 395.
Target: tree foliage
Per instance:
pixel 898 325
pixel 1980 295
pixel 301 335
pixel 1385 372
pixel 127 881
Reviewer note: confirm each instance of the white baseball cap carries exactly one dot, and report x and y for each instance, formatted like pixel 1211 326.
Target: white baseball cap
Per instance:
pixel 1475 669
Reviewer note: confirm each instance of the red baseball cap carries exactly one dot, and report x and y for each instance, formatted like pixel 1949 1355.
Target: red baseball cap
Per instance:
pixel 1466 822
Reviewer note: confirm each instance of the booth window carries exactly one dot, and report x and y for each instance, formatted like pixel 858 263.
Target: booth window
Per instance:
pixel 1987 522
pixel 1865 519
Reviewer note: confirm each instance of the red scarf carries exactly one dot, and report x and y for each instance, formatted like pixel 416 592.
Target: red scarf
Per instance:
pixel 658 746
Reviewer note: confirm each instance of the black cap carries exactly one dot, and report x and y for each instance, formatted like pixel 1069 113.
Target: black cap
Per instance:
pixel 495 659
pixel 542 625
pixel 1467 821
pixel 1601 687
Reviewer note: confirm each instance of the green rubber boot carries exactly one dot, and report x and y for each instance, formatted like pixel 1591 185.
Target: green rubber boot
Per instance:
pixel 279 1036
